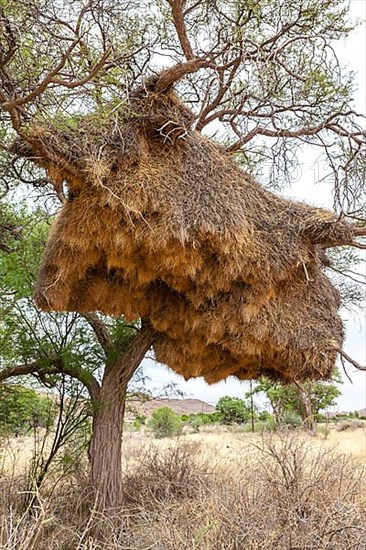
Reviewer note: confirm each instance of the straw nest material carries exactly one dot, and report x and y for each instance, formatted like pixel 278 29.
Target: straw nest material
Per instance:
pixel 161 222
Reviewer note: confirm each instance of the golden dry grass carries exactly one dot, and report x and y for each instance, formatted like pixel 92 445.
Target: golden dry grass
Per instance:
pixel 217 442
pixel 212 491
pixel 222 445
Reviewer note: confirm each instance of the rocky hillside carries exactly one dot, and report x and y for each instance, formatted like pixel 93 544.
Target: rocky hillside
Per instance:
pixel 180 406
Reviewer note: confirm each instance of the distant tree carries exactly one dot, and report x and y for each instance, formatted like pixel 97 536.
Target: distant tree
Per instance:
pixel 320 395
pixel 233 410
pixel 23 408
pixel 165 422
pixel 306 400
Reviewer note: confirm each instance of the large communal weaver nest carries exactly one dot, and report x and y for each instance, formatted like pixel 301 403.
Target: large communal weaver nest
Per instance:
pixel 161 222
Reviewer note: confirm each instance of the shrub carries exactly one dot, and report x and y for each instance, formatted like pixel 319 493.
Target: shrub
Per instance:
pixel 269 426
pixel 165 474
pixel 195 423
pixel 349 425
pixel 265 416
pixel 324 431
pixel 205 418
pixel 140 420
pixel 260 426
pixel 292 420
pixel 233 410
pixel 22 408
pixel 291 495
pixel 165 422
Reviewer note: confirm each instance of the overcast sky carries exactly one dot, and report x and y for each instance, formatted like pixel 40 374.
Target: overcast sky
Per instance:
pixel 351 53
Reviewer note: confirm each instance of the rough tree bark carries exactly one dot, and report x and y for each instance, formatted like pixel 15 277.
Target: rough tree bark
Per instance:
pixel 105 450
pixel 305 407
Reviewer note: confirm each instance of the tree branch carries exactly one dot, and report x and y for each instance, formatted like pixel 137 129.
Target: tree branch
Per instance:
pixel 301 132
pixel 336 244
pixel 56 367
pixel 203 119
pixel 85 377
pixel 345 356
pixel 18 370
pixel 38 90
pixel 360 231
pixel 101 331
pixel 167 77
pixel 179 23
pixel 127 363
pixel 5 248
pixel 76 83
pixel 49 79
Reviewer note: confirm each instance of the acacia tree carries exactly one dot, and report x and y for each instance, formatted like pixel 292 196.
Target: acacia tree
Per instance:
pixel 50 347
pixel 306 399
pixel 261 77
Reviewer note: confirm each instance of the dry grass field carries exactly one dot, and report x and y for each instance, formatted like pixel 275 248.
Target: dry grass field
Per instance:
pixel 216 490
pixel 216 442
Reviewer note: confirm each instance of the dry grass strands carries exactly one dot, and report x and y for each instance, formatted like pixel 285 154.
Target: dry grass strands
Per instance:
pixel 283 492
pixel 161 222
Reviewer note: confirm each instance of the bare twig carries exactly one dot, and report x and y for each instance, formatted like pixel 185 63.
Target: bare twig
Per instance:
pixel 353 362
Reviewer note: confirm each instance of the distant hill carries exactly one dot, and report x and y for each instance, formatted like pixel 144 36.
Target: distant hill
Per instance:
pixel 180 406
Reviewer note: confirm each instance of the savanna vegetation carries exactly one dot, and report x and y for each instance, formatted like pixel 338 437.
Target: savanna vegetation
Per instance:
pixel 262 81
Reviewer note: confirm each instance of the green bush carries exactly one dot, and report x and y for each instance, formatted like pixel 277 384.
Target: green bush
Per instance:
pixel 22 408
pixel 140 420
pixel 341 416
pixel 265 416
pixel 233 410
pixel 165 422
pixel 269 426
pixel 207 418
pixel 323 430
pixel 291 419
pixel 196 420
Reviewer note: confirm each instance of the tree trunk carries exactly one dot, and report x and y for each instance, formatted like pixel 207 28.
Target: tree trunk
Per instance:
pixel 309 415
pixel 305 407
pixel 106 446
pixel 105 450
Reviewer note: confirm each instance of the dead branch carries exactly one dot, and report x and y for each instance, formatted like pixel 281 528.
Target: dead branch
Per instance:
pixel 351 361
